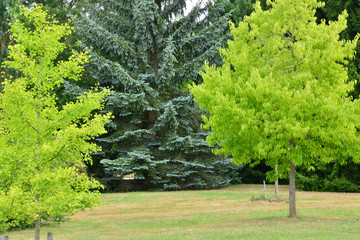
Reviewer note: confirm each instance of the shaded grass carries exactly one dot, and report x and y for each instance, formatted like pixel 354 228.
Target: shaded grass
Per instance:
pixel 225 213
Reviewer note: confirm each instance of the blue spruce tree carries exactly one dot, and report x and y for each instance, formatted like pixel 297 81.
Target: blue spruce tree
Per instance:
pixel 148 52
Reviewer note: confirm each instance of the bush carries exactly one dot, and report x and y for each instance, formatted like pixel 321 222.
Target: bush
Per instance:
pixel 331 177
pixel 340 185
pixel 315 183
pixel 312 183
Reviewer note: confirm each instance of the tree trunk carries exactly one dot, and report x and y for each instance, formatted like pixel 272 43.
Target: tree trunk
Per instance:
pixel 37 197
pixel 50 236
pixel 37 221
pixel 292 206
pixel 151 119
pixel 276 182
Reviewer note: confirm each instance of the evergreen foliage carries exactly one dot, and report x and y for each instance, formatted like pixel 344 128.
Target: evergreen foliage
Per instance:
pixel 148 52
pixel 282 93
pixel 58 9
pixel 241 8
pixel 44 146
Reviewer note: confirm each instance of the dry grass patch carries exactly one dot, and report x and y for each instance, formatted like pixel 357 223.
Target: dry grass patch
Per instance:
pixel 228 213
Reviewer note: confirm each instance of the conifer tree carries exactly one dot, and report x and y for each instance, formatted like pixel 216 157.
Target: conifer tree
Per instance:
pixel 148 52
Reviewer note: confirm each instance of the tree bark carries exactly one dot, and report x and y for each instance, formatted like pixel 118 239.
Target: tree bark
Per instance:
pixel 292 206
pixel 37 221
pixel 151 119
pixel 49 236
pixel 37 197
pixel 276 182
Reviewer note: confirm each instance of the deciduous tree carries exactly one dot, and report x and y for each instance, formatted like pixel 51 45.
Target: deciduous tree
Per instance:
pixel 282 93
pixel 43 144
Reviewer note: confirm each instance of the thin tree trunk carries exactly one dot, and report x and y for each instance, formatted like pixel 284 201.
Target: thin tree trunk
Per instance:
pixel 37 222
pixel 37 197
pixel 50 236
pixel 292 206
pixel 276 182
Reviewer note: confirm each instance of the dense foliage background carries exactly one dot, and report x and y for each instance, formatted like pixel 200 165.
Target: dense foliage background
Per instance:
pixel 149 54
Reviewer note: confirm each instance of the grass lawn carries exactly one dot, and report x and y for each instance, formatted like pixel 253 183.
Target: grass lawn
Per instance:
pixel 230 213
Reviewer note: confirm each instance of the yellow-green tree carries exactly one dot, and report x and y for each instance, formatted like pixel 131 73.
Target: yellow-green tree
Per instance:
pixel 282 93
pixel 43 144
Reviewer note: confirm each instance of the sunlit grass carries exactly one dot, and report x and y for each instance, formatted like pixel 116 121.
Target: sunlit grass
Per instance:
pixel 229 213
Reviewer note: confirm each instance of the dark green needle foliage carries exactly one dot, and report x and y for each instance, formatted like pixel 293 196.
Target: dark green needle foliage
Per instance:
pixel 149 52
pixel 58 9
pixel 241 8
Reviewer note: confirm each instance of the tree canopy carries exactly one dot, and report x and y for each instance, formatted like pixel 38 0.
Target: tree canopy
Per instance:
pixel 282 92
pixel 44 144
